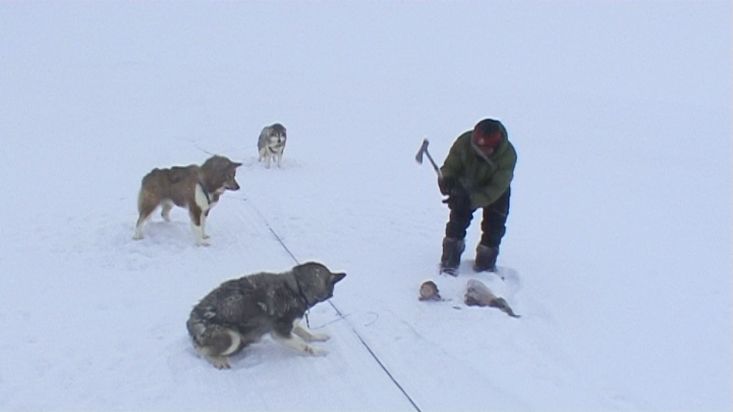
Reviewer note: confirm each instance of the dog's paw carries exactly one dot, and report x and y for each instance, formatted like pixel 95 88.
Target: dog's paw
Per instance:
pixel 319 337
pixel 219 362
pixel 207 237
pixel 202 242
pixel 314 351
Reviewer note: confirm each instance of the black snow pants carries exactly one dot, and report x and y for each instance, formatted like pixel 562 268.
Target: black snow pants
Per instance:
pixel 493 224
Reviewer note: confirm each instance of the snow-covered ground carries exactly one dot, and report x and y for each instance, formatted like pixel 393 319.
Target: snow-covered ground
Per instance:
pixel 618 251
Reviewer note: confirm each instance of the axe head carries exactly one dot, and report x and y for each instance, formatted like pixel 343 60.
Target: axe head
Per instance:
pixel 421 151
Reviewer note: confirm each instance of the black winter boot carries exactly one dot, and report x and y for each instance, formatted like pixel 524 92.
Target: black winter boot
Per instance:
pixel 451 258
pixel 486 258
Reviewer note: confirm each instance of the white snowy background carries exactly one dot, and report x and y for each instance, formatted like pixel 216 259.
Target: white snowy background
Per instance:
pixel 618 250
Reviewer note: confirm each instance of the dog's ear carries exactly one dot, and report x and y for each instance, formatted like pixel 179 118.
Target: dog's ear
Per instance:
pixel 336 277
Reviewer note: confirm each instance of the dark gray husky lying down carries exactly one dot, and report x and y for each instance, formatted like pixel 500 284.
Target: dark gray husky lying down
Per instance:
pixel 241 311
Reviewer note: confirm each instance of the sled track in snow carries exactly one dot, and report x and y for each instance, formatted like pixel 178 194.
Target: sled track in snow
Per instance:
pixel 338 312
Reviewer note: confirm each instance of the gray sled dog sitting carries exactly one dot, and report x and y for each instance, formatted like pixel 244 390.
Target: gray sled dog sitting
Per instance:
pixel 240 311
pixel 271 144
pixel 197 188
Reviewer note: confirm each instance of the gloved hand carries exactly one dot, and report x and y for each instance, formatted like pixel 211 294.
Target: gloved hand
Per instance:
pixel 446 184
pixel 458 198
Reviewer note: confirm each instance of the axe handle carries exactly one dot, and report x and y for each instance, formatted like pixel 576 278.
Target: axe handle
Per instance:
pixel 435 166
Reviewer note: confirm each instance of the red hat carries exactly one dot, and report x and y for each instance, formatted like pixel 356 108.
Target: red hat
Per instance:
pixel 487 135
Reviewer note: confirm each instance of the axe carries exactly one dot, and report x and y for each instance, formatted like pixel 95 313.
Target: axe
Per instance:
pixel 424 151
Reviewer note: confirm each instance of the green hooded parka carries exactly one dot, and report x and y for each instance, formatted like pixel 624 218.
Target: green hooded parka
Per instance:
pixel 485 178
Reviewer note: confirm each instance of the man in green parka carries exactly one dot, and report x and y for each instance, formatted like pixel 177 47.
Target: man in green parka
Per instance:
pixel 476 175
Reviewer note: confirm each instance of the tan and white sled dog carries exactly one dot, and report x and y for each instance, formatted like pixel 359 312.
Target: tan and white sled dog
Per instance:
pixel 196 188
pixel 271 144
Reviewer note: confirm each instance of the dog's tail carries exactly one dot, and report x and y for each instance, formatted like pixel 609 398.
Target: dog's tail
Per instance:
pixel 209 338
